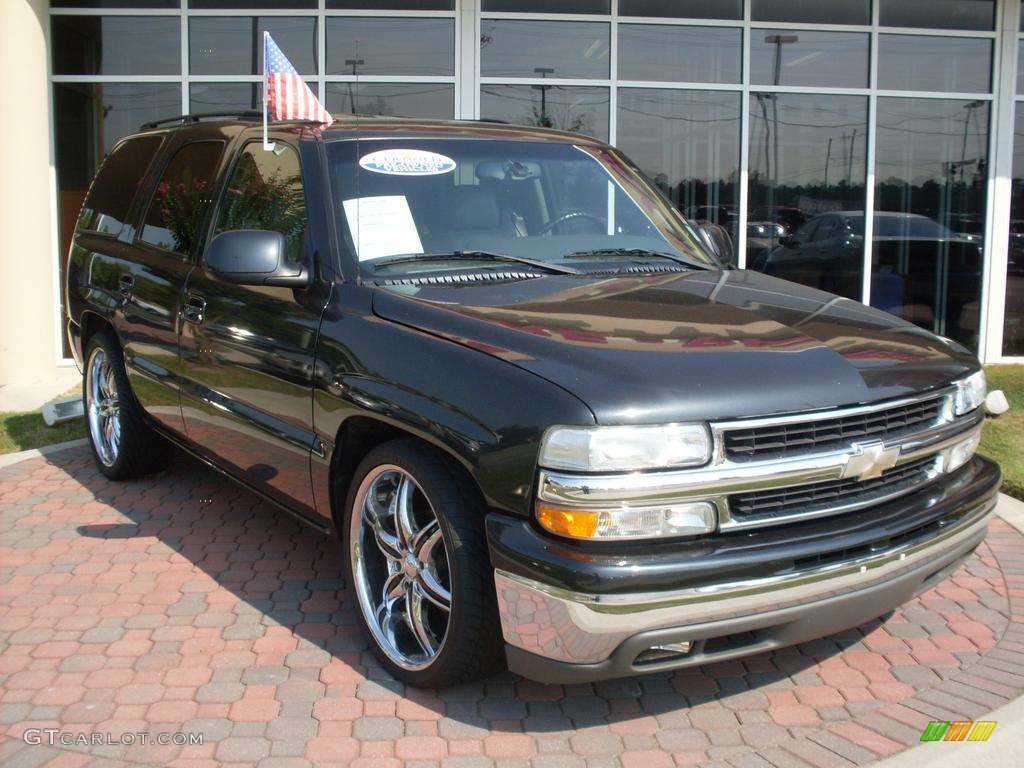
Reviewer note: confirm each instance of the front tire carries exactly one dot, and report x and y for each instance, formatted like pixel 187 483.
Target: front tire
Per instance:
pixel 418 567
pixel 123 445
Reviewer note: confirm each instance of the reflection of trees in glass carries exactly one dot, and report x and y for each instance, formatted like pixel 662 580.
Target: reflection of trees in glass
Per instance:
pixel 275 202
pixel 565 108
pixel 687 141
pixel 932 159
pixel 181 210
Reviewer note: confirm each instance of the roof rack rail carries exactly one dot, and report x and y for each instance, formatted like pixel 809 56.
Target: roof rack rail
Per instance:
pixel 195 118
pixel 487 120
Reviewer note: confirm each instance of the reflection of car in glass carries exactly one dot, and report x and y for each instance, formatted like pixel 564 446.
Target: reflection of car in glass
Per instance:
pixel 724 215
pixel 762 236
pixel 921 270
pixel 542 421
pixel 791 218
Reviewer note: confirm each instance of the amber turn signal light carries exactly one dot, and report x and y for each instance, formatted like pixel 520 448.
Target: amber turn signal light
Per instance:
pixel 577 523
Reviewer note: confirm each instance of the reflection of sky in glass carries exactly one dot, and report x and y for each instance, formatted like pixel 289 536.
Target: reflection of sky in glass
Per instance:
pixel 116 45
pixel 683 9
pixel 816 133
pixel 519 48
pixel 125 106
pixel 921 63
pixel 938 14
pixel 831 59
pixel 221 45
pixel 817 11
pixel 923 140
pixel 430 100
pixel 683 140
pixel 213 97
pixel 567 108
pixel 391 46
pixel 683 54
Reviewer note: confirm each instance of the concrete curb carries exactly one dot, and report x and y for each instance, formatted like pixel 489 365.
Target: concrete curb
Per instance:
pixel 11 459
pixel 1011 510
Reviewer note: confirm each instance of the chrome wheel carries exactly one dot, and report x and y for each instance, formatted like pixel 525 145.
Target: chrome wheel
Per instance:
pixel 400 567
pixel 103 407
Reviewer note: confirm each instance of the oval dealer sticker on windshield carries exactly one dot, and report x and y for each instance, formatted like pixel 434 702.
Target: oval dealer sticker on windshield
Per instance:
pixel 407 162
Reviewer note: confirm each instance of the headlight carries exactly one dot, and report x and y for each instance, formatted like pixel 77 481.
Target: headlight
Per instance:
pixel 970 393
pixel 625 448
pixel 683 518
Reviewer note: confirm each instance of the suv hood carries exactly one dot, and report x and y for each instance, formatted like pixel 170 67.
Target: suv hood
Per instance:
pixel 683 346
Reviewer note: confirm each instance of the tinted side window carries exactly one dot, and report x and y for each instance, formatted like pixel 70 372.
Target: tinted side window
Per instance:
pixel 805 233
pixel 115 185
pixel 182 197
pixel 265 192
pixel 826 229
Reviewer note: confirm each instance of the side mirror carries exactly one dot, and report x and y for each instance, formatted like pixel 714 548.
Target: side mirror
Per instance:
pixel 253 257
pixel 716 239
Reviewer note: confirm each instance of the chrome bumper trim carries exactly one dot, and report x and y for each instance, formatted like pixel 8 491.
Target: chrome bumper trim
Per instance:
pixel 582 628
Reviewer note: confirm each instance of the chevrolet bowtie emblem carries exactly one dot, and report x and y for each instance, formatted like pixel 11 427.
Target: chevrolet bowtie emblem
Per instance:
pixel 870 460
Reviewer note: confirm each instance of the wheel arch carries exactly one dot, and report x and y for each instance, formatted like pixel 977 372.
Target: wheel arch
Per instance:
pixel 357 436
pixel 91 324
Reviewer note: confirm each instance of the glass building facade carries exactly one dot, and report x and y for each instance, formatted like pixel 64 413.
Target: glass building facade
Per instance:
pixel 871 148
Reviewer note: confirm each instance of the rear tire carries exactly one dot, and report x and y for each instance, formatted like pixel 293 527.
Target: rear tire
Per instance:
pixel 418 567
pixel 123 445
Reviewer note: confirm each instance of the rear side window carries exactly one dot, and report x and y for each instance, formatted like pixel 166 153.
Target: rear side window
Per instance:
pixel 182 197
pixel 110 196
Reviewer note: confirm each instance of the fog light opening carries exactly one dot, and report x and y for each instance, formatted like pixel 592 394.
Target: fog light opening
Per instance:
pixel 664 652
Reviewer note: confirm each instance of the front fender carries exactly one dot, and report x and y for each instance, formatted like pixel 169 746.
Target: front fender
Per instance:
pixel 487 414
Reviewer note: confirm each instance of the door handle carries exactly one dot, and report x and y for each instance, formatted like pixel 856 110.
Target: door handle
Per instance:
pixel 195 306
pixel 125 285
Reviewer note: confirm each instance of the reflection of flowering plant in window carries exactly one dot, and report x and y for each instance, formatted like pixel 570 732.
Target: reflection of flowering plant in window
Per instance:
pixel 181 208
pixel 274 203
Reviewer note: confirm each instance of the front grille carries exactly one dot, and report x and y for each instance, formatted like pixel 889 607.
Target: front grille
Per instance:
pixel 820 498
pixel 825 433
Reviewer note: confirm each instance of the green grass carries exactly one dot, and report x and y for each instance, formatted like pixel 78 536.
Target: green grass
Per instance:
pixel 1003 438
pixel 24 431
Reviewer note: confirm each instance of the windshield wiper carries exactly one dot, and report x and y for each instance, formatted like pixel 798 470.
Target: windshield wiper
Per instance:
pixel 618 253
pixel 476 256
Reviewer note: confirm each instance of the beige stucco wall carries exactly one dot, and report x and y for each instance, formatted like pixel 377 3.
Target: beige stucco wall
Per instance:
pixel 27 300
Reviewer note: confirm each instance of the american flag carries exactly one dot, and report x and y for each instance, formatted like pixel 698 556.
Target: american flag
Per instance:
pixel 288 96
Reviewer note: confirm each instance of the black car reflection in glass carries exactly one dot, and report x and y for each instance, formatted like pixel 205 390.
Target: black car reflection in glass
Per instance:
pixel 920 270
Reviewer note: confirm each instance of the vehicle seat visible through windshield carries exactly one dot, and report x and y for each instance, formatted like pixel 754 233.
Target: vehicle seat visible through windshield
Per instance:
pixel 475 210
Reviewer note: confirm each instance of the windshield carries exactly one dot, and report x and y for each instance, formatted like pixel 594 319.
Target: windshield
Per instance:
pixel 551 202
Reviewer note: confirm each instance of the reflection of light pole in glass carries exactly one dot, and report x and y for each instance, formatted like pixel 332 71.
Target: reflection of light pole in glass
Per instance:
pixel 970 107
pixel 849 163
pixel 778 41
pixel 828 158
pixel 761 97
pixel 543 72
pixel 354 63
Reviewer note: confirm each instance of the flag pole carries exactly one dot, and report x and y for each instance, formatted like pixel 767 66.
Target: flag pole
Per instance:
pixel 267 145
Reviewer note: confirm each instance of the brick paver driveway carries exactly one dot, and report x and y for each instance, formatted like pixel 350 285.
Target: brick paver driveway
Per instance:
pixel 183 603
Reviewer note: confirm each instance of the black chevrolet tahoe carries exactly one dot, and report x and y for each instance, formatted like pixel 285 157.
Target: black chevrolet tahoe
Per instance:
pixel 547 426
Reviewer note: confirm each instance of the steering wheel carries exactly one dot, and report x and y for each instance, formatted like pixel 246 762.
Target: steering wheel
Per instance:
pixel 576 213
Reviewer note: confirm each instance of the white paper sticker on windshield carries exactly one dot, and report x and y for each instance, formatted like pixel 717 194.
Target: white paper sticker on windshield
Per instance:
pixel 381 226
pixel 407 162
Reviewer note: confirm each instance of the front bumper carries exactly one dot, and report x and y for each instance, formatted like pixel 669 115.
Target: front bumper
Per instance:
pixel 571 613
